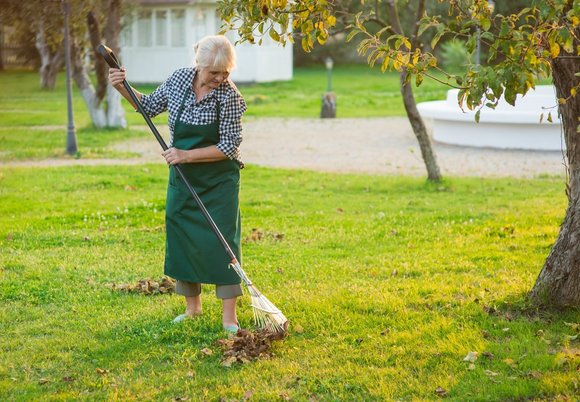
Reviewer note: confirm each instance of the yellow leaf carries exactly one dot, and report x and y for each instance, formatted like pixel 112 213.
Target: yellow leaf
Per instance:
pixel 331 21
pixel 555 50
pixel 573 92
pixel 418 80
pixel 575 21
pixel 397 65
pixel 509 362
pixel 274 35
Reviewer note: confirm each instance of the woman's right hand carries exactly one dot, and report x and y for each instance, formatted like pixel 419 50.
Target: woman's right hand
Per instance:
pixel 117 76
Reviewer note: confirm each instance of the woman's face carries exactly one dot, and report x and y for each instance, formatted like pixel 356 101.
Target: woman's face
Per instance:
pixel 212 78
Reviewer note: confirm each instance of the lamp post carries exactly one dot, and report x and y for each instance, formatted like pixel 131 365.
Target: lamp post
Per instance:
pixel 71 138
pixel 329 98
pixel 491 7
pixel 329 64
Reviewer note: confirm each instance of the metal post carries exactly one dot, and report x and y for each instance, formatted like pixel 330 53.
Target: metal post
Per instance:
pixel 71 138
pixel 328 99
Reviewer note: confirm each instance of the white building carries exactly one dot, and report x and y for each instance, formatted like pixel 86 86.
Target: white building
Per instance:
pixel 161 35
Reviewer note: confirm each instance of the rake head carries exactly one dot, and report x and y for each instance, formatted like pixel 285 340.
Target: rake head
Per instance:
pixel 266 315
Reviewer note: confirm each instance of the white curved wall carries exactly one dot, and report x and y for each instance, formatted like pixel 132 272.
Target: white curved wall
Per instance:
pixel 508 127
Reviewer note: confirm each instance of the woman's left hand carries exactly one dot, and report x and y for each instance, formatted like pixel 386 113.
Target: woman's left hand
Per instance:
pixel 174 156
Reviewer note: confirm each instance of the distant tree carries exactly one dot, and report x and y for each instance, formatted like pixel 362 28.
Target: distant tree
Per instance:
pixel 44 19
pixel 314 20
pixel 86 19
pixel 99 22
pixel 538 39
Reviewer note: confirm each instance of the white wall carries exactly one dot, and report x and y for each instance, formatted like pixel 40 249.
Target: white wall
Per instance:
pixel 153 64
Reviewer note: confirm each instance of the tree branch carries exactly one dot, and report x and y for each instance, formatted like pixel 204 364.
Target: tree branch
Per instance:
pixel 420 12
pixel 394 17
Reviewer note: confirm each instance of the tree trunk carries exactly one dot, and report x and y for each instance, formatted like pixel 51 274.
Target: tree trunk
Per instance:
pixel 81 78
pixel 50 61
pixel 433 173
pixel 115 112
pixel 101 68
pixel 1 45
pixel 559 280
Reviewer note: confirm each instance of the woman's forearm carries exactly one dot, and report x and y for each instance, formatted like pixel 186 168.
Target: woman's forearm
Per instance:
pixel 123 91
pixel 207 154
pixel 175 156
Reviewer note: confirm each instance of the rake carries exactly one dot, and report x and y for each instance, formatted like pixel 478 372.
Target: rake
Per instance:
pixel 266 315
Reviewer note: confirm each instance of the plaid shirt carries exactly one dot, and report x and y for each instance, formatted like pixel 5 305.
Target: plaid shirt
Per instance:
pixel 169 95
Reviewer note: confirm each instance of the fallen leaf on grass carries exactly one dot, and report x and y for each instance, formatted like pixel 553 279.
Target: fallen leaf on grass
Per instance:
pixel 101 371
pixel 440 392
pixel 534 374
pixel 258 234
pixel 247 395
pixel 43 381
pixel 245 346
pixel 180 398
pixel 298 329
pixel 509 362
pixel 227 362
pixel 490 373
pixel 68 379
pixel 471 357
pixel 488 355
pixel 207 351
pixel 147 286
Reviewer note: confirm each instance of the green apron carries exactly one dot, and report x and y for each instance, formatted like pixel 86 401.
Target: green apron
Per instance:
pixel 192 251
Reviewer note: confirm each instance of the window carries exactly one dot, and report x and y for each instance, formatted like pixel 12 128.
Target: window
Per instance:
pixel 127 35
pixel 145 28
pixel 161 28
pixel 178 28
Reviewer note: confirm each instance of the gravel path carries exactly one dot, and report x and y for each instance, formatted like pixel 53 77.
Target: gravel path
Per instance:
pixel 371 145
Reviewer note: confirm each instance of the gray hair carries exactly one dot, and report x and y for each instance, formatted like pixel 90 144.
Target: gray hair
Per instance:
pixel 215 52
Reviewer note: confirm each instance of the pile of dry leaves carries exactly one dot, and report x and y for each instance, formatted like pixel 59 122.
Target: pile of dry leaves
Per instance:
pixel 246 346
pixel 258 234
pixel 147 286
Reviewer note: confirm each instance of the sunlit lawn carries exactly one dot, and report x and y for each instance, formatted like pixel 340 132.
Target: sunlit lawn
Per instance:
pixel 389 282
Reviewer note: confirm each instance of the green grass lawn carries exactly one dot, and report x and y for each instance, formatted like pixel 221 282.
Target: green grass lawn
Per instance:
pixel 388 282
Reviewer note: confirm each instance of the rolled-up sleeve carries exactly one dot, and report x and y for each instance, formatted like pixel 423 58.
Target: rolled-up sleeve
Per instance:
pixel 231 111
pixel 156 102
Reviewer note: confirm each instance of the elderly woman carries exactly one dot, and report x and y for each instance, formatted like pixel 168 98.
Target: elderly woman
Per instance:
pixel 205 111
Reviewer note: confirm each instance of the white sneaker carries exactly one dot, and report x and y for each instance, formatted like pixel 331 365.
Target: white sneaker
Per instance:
pixel 180 318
